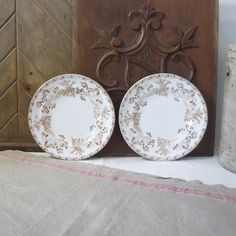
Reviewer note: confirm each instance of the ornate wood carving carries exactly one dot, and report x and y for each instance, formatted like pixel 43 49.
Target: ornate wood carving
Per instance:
pixel 143 42
pixel 147 22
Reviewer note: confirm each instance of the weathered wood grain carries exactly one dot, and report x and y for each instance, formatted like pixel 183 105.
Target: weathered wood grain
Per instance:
pixel 8 105
pixel 24 101
pixel 70 2
pixel 35 45
pixel 7 8
pixel 7 71
pixel 45 28
pixel 34 49
pixel 8 85
pixel 30 78
pixel 9 133
pixel 7 38
pixel 61 14
pixel 24 132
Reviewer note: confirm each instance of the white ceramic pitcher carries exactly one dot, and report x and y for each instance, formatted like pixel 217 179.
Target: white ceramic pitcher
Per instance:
pixel 227 153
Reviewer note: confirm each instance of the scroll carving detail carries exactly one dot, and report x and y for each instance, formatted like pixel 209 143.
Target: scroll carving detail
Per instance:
pixel 146 22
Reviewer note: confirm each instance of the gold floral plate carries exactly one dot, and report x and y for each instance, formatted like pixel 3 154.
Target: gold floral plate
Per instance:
pixel 163 117
pixel 71 117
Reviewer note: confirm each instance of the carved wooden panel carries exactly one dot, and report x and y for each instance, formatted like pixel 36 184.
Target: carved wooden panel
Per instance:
pixel 35 45
pixel 119 42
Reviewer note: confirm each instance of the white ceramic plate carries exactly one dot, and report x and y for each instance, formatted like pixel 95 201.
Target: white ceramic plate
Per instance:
pixel 71 117
pixel 163 117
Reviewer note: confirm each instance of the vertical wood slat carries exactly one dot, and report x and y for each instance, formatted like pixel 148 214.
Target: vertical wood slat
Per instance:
pixel 10 132
pixel 70 2
pixel 7 8
pixel 36 52
pixel 8 105
pixel 61 14
pixel 8 85
pixel 8 71
pixel 24 101
pixel 7 38
pixel 35 45
pixel 30 78
pixel 45 29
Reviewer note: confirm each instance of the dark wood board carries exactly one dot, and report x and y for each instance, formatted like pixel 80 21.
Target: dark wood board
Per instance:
pixel 35 45
pixel 118 42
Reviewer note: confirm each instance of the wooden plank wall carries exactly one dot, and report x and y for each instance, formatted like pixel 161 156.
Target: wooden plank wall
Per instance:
pixel 35 45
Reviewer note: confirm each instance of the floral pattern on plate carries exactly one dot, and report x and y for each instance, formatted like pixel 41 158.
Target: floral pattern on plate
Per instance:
pixel 56 129
pixel 163 117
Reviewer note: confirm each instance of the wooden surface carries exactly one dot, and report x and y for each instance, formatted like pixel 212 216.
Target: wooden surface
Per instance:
pixel 119 42
pixel 35 45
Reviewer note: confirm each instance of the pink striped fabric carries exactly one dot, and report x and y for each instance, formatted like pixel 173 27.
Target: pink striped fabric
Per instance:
pixel 122 180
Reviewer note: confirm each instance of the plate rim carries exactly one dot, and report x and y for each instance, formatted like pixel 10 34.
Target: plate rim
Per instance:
pixel 113 117
pixel 176 157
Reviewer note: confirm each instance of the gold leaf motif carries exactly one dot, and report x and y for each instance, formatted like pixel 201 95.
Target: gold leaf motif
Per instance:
pixel 192 115
pixel 77 144
pixel 45 123
pixel 162 144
